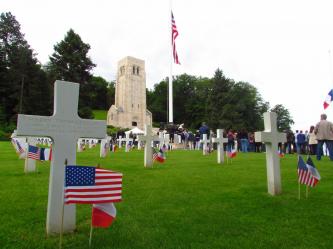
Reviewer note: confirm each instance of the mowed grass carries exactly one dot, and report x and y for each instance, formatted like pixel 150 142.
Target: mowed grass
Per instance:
pixel 100 114
pixel 188 202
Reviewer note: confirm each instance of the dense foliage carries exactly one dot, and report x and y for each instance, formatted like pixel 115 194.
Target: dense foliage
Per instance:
pixel 23 84
pixel 219 101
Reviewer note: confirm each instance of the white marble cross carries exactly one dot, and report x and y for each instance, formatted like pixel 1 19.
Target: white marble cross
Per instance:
pixel 127 139
pixel 205 142
pixel 271 137
pixel 148 138
pixel 104 148
pixel 161 139
pixel 220 149
pixel 120 140
pixel 65 127
pixel 167 140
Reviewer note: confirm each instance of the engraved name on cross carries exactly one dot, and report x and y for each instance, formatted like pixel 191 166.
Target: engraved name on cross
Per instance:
pixel 271 137
pixel 65 127
pixel 220 149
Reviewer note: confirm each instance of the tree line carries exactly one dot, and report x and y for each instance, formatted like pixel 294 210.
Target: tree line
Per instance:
pixel 26 86
pixel 219 101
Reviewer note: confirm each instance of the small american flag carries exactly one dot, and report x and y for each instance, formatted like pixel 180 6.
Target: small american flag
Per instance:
pixel 155 154
pixel 158 155
pixel 174 34
pixel 33 152
pixel 307 173
pixel 21 150
pixel 90 185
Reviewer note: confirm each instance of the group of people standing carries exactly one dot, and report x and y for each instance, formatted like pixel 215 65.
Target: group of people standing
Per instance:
pixel 317 141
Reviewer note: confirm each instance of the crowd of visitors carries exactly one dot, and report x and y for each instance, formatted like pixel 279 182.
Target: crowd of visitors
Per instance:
pixel 317 141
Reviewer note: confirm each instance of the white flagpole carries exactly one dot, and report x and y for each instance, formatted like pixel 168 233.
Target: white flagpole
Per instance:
pixel 171 61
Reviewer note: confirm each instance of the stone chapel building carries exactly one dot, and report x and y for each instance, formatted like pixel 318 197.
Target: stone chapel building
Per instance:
pixel 130 109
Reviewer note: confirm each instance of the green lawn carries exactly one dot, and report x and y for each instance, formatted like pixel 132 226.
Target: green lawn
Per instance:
pixel 187 202
pixel 100 114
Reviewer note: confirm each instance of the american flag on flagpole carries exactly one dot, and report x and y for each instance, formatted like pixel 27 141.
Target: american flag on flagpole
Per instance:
pixel 91 185
pixel 174 34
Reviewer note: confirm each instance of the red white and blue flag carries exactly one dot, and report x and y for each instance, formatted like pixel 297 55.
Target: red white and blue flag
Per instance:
pixel 232 153
pixel 307 173
pixel 280 153
pixel 33 152
pixel 103 214
pixel 92 185
pixel 328 99
pixel 42 154
pixel 19 147
pixel 314 172
pixel 174 34
pixel 45 154
pixel 158 155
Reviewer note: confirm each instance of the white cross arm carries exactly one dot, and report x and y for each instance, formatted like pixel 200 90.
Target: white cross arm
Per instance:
pixel 29 125
pixel 268 137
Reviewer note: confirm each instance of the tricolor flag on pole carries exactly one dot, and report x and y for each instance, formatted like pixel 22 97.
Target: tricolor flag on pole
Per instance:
pixel 45 154
pixel 328 99
pixel 232 153
pixel 103 214
pixel 314 172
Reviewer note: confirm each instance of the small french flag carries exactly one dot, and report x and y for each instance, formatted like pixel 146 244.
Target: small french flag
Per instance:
pixel 328 99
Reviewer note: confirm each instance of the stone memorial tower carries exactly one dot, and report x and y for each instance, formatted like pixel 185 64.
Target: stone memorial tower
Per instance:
pixel 130 109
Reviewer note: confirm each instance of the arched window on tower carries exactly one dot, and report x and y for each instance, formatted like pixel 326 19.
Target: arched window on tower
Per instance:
pixel 122 70
pixel 133 69
pixel 137 70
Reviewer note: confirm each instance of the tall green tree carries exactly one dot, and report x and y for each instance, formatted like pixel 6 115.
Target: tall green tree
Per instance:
pixel 23 84
pixel 111 92
pixel 70 62
pixel 99 93
pixel 157 101
pixel 217 99
pixel 284 119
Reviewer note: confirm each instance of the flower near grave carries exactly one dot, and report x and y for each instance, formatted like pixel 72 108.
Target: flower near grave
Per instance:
pixel 91 185
pixel 328 99
pixel 307 173
pixel 103 214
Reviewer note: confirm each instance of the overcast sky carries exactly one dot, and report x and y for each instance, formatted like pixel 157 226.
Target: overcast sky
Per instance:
pixel 280 47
